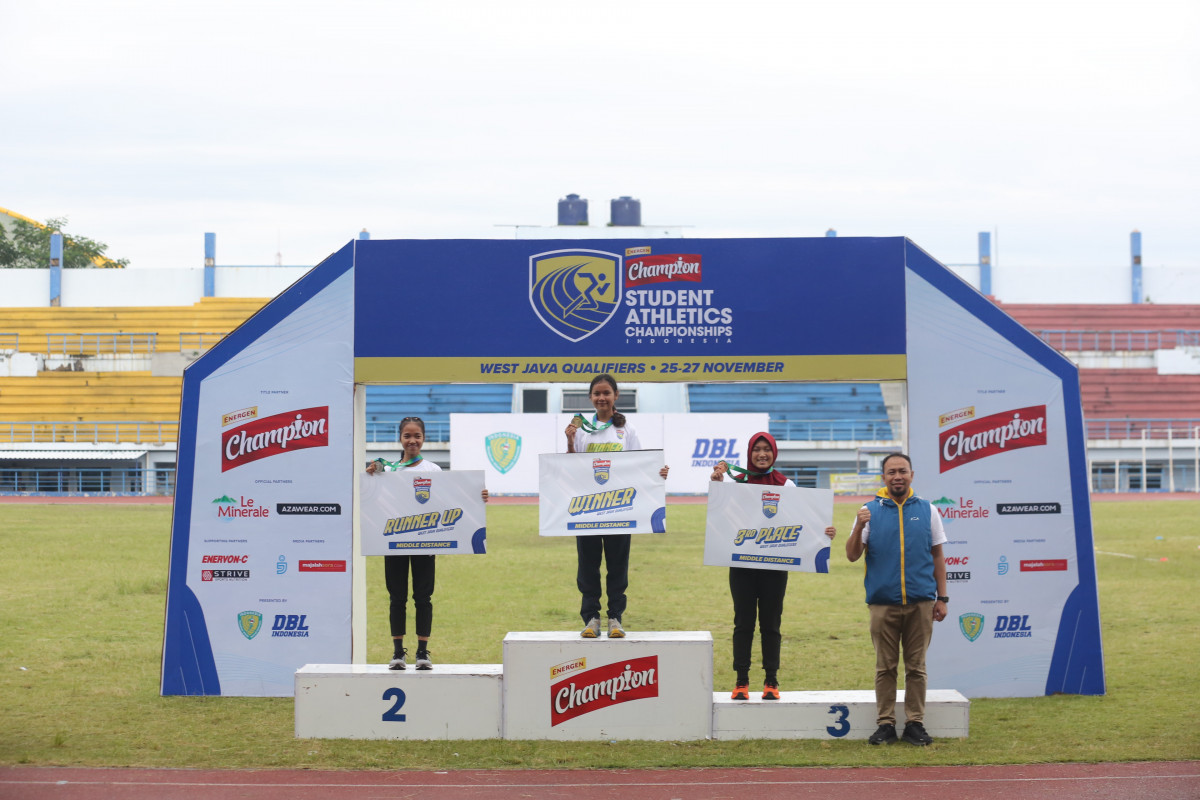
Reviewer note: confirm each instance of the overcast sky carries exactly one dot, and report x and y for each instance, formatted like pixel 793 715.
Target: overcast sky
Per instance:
pixel 290 126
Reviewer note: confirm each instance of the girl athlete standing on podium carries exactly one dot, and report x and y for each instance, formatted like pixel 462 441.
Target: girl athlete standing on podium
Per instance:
pixel 396 568
pixel 758 592
pixel 608 431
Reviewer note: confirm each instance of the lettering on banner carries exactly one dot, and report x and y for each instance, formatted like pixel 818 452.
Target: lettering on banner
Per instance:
pixel 990 435
pixel 594 689
pixel 270 436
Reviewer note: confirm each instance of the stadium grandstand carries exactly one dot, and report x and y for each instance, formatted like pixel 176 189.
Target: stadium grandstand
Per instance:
pixel 89 389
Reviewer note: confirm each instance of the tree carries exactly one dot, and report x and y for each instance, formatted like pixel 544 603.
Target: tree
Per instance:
pixel 29 247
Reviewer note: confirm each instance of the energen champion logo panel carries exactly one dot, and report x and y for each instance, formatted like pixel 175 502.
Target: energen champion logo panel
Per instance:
pixel 575 292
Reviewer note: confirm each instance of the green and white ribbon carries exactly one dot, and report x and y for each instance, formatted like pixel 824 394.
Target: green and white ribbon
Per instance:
pixel 589 427
pixel 397 465
pixel 747 472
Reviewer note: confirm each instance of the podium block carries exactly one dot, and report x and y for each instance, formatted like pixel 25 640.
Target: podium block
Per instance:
pixel 370 701
pixel 831 715
pixel 655 685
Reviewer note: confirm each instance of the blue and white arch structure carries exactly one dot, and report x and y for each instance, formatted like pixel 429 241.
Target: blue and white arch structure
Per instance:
pixel 265 574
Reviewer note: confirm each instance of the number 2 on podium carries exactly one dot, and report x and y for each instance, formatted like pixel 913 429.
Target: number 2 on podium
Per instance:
pixel 393 714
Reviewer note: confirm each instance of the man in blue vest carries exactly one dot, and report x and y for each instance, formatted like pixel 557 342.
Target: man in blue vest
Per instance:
pixel 906 593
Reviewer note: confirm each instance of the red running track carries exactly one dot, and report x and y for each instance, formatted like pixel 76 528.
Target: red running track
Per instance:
pixel 1126 781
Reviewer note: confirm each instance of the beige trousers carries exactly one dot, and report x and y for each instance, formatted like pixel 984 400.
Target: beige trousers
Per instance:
pixel 894 628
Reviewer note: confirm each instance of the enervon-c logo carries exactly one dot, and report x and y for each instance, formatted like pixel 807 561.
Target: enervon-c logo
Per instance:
pixel 575 292
pixel 987 436
pixel 503 450
pixel 270 436
pixel 598 688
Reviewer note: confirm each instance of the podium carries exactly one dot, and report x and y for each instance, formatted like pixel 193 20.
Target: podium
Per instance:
pixel 557 686
pixel 655 685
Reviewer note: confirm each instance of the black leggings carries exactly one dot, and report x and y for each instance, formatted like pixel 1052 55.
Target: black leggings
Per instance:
pixel 757 592
pixel 395 572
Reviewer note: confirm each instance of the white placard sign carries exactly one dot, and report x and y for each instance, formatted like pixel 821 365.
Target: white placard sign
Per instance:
pixel 424 513
pixel 585 494
pixel 767 527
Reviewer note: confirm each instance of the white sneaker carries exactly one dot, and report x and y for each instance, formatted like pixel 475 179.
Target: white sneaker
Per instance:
pixel 615 631
pixel 423 660
pixel 398 662
pixel 592 629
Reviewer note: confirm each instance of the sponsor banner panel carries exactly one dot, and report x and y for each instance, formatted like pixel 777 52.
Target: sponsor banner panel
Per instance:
pixel 655 685
pixel 694 443
pixel 990 452
pixel 520 369
pixel 263 495
pixel 767 527
pixel 422 513
pixel 586 494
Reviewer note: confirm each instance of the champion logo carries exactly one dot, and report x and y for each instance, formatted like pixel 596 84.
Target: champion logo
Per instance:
pixel 988 436
pixel 270 436
pixel 622 682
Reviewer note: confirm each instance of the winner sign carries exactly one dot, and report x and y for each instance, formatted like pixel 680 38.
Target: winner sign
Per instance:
pixel 422 513
pixel 767 527
pixel 585 494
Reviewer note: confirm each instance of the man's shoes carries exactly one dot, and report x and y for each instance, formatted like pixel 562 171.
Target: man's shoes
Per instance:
pixel 885 734
pixel 615 631
pixel 398 661
pixel 914 733
pixel 740 692
pixel 770 691
pixel 423 659
pixel 592 629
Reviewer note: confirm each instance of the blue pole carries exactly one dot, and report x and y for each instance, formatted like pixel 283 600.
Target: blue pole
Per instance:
pixel 364 234
pixel 210 265
pixel 56 259
pixel 985 263
pixel 1135 252
pixel 831 234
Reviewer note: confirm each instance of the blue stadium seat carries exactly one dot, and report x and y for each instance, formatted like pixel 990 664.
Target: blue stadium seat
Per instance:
pixel 802 411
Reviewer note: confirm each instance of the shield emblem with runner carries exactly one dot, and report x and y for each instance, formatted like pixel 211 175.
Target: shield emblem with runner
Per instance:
pixel 575 292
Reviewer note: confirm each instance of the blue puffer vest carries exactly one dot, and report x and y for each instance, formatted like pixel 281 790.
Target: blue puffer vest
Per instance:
pixel 899 558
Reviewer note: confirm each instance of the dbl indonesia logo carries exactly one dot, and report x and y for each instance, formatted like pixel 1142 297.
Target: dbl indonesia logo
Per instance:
pixel 575 292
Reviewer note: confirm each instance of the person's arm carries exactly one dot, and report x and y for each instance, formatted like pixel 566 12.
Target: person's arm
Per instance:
pixel 855 545
pixel 939 577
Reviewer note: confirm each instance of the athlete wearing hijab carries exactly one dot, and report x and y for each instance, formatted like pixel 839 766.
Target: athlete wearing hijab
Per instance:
pixel 758 592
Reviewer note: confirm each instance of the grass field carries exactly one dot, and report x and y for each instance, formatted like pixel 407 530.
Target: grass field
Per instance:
pixel 82 591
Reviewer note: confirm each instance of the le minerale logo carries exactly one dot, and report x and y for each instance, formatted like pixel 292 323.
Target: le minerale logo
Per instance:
pixel 965 508
pixel 242 508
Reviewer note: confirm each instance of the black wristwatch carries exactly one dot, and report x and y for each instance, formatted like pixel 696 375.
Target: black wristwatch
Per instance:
pixel 944 599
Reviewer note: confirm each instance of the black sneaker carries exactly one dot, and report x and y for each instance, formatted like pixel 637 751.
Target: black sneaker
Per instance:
pixel 886 734
pixel 398 661
pixel 423 659
pixel 914 733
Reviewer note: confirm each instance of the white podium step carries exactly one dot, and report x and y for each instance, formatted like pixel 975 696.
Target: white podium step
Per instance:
pixel 654 685
pixel 370 701
pixel 830 715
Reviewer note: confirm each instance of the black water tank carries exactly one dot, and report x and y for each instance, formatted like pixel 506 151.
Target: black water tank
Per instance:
pixel 572 210
pixel 626 212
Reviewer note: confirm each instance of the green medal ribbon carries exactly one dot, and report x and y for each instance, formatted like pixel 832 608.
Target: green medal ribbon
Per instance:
pixel 396 465
pixel 589 427
pixel 747 472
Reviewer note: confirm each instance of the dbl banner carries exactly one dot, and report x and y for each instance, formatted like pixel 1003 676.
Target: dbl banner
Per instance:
pixel 584 494
pixel 426 513
pixel 768 527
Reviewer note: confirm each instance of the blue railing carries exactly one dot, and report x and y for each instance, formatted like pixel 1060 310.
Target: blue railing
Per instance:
pixel 94 344
pixel 88 432
pixel 831 430
pixel 10 341
pixel 1126 428
pixel 85 480
pixel 1113 341
pixel 198 340
pixel 389 431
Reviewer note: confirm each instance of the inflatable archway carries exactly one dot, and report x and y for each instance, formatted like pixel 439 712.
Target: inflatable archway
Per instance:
pixel 262 562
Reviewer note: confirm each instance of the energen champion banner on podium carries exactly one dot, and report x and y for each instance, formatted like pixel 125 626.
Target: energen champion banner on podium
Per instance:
pixel 422 513
pixel 767 527
pixel 585 494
